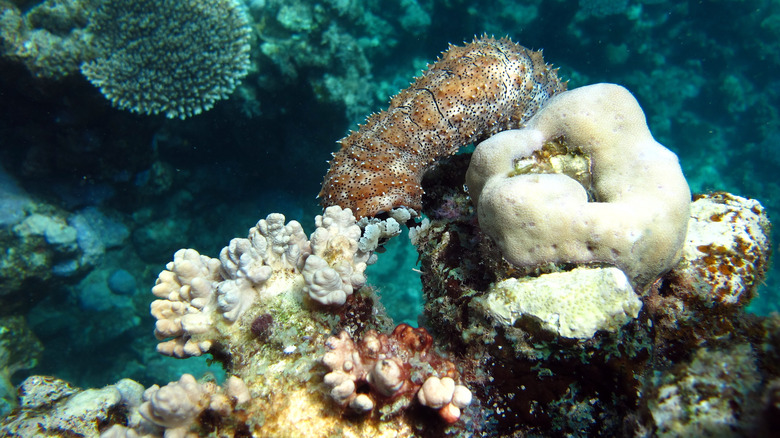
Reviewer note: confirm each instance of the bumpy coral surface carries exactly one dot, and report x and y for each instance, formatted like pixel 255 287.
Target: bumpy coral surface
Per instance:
pixel 49 38
pixel 726 250
pixel 169 57
pixel 197 292
pixel 395 368
pixel 605 190
pixel 470 93
pixel 542 382
pixel 573 304
pixel 265 309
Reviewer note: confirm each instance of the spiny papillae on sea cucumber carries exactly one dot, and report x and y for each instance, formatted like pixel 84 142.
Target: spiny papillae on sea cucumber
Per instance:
pixel 469 94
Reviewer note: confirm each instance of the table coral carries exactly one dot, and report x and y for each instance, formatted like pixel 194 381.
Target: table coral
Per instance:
pixel 470 93
pixel 171 57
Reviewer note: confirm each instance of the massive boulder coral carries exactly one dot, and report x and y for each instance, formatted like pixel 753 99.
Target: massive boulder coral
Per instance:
pixel 473 91
pixel 558 374
pixel 583 182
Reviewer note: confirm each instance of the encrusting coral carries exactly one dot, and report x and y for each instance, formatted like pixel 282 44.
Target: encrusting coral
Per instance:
pixel 608 193
pixel 473 91
pixel 50 38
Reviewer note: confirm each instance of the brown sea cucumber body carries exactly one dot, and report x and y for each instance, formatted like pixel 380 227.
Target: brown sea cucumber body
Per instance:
pixel 470 93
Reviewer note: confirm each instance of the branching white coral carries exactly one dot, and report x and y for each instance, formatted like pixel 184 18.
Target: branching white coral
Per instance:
pixel 275 258
pixel 187 291
pixel 265 264
pixel 336 266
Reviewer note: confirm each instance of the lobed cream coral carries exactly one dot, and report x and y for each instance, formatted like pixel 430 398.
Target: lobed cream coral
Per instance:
pixel 336 265
pixel 445 395
pixel 172 410
pixel 584 182
pixel 197 292
pixel 265 264
pixel 188 299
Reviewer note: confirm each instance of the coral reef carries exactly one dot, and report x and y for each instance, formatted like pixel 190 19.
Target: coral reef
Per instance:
pixel 470 93
pixel 656 354
pixel 583 182
pixel 334 48
pixel 689 361
pixel 47 246
pixel 19 350
pixel 254 311
pixel 50 39
pixel 198 291
pixel 395 368
pixel 52 407
pixel 169 57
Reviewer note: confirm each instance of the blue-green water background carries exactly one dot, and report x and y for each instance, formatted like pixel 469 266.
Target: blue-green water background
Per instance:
pixel 704 71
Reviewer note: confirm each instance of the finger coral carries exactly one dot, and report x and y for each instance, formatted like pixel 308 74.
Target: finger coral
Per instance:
pixel 584 182
pixel 472 92
pixel 196 291
pixel 172 57
pixel 395 367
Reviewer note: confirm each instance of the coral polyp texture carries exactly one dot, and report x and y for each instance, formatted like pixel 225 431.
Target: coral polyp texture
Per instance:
pixel 198 292
pixel 395 368
pixel 724 260
pixel 171 57
pixel 583 182
pixel 471 92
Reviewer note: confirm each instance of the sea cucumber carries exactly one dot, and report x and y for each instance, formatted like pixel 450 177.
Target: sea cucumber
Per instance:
pixel 468 94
